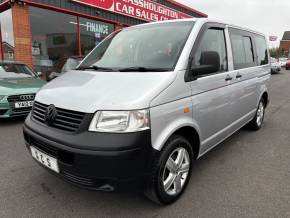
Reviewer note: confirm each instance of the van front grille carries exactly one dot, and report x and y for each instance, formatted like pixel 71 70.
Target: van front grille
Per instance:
pixel 66 120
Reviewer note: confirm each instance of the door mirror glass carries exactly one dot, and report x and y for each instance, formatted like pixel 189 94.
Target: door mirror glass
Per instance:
pixel 209 63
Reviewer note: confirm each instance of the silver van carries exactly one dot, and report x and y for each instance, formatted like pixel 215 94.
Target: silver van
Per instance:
pixel 146 102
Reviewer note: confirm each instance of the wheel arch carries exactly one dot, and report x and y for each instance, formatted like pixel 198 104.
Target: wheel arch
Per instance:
pixel 188 130
pixel 190 134
pixel 265 97
pixel 264 94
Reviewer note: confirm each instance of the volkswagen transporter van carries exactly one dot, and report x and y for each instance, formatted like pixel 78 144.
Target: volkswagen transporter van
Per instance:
pixel 147 101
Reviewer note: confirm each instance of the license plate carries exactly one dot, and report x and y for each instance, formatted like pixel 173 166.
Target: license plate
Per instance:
pixel 45 159
pixel 23 104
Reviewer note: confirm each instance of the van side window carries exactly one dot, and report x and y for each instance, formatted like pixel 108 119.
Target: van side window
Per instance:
pixel 243 52
pixel 212 40
pixel 262 51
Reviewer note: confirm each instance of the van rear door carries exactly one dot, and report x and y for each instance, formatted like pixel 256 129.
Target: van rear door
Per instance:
pixel 246 75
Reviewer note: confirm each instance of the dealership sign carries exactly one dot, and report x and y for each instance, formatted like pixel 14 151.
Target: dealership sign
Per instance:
pixel 141 9
pixel 273 38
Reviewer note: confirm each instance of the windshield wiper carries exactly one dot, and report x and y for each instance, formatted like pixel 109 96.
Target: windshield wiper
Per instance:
pixel 94 67
pixel 143 69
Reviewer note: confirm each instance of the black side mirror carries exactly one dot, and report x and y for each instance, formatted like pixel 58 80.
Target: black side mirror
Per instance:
pixel 209 63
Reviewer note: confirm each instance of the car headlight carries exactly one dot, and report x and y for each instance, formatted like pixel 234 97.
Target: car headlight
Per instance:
pixel 120 121
pixel 2 97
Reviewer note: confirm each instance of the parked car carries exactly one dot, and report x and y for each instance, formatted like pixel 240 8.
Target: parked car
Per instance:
pixel 18 86
pixel 283 61
pixel 147 101
pixel 275 66
pixel 70 64
pixel 288 65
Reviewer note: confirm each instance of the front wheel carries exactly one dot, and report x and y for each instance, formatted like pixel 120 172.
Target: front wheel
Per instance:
pixel 171 171
pixel 258 120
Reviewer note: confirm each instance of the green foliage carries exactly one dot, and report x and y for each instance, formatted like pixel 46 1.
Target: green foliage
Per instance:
pixel 278 52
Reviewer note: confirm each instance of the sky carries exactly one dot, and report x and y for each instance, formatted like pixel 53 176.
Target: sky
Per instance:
pixel 270 17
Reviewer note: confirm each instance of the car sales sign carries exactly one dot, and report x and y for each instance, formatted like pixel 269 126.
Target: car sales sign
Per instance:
pixel 141 9
pixel 273 38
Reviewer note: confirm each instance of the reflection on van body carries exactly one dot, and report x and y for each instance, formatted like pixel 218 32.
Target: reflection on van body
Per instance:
pixel 147 101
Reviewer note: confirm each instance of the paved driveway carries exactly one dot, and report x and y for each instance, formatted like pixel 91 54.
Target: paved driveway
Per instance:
pixel 246 176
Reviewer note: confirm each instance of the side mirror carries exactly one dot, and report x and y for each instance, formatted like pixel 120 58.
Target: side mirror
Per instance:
pixel 209 63
pixel 39 74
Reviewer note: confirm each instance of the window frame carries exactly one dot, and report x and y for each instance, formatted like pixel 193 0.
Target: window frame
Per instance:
pixel 243 33
pixel 188 77
pixel 256 49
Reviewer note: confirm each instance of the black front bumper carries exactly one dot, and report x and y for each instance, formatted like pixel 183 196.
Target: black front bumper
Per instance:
pixel 94 160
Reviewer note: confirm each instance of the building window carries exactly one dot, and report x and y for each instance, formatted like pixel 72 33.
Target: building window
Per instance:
pixel 54 39
pixel 92 33
pixel 7 35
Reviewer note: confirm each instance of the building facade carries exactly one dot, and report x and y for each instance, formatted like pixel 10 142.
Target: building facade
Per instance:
pixel 285 44
pixel 44 33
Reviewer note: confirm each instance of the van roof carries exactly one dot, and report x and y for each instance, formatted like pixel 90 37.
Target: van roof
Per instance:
pixel 204 20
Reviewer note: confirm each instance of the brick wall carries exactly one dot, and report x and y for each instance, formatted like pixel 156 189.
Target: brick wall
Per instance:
pixel 22 34
pixel 285 45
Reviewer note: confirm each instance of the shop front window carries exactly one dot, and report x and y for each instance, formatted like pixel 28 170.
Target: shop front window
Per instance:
pixel 54 39
pixel 92 33
pixel 7 35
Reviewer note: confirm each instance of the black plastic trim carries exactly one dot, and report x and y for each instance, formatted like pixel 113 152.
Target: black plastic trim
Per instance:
pixel 91 155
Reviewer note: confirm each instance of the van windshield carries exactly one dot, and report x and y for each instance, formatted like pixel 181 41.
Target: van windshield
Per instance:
pixel 153 47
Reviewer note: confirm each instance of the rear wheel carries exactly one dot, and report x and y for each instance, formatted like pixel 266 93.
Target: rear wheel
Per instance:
pixel 171 171
pixel 258 120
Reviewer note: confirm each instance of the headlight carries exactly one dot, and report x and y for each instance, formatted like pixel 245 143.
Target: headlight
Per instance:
pixel 120 121
pixel 2 97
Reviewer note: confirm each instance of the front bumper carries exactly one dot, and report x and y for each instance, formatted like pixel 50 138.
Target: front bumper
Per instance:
pixel 6 110
pixel 94 160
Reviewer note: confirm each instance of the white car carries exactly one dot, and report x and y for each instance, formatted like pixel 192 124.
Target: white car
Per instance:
pixel 283 61
pixel 275 65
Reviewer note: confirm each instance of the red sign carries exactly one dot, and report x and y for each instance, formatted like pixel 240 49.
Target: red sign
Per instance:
pixel 141 9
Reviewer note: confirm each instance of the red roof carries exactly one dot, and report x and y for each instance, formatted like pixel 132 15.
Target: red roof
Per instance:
pixel 187 8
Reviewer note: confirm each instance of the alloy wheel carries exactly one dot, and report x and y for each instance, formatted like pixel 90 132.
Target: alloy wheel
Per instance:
pixel 260 114
pixel 176 170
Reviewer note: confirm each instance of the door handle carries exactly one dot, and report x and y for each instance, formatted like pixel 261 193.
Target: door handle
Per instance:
pixel 228 78
pixel 238 76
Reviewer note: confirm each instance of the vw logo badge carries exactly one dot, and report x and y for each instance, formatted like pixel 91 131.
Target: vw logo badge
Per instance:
pixel 50 114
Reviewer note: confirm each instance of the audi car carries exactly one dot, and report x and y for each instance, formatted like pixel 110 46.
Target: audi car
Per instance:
pixel 18 86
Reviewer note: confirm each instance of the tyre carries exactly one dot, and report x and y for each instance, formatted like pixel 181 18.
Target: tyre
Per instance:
pixel 258 120
pixel 170 172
